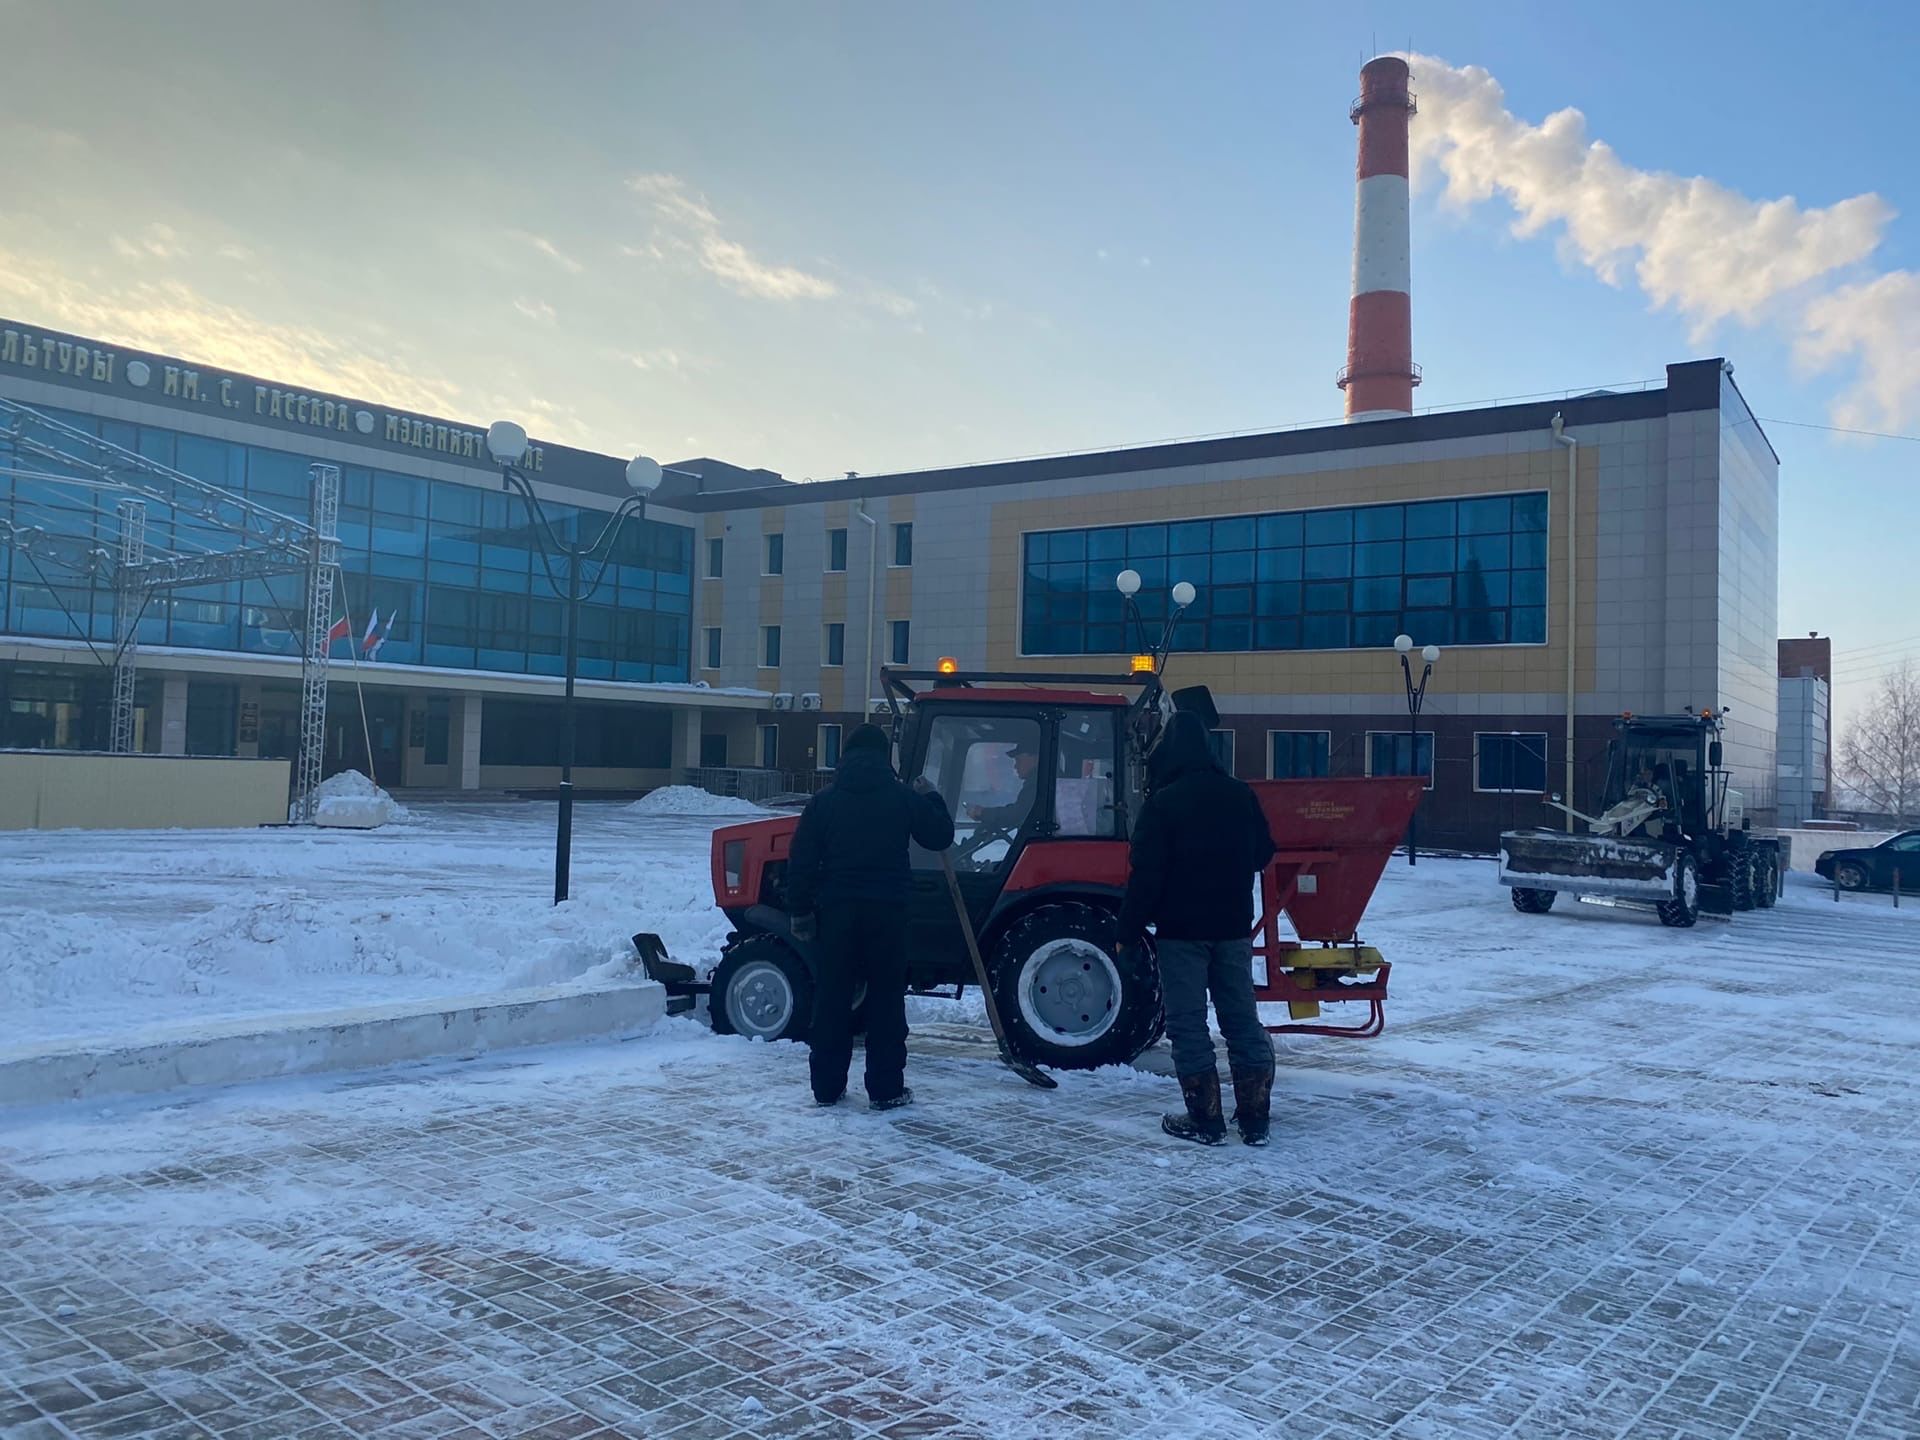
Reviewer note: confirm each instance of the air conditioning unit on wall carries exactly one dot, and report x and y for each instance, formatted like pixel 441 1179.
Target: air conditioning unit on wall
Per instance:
pixel 783 701
pixel 810 701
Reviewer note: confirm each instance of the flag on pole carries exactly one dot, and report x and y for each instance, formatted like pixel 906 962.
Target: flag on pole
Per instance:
pixel 340 631
pixel 371 648
pixel 373 629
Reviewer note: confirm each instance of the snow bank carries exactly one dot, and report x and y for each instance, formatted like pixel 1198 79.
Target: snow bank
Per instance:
pixel 688 800
pixel 352 801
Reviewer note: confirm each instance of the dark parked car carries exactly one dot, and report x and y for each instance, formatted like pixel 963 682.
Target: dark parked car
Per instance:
pixel 1872 868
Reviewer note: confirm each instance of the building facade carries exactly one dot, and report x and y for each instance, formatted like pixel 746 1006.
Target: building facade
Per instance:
pixel 1626 563
pixel 1806 729
pixel 1574 559
pixel 463 692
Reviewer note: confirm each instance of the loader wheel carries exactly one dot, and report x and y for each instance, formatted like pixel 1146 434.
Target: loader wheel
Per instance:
pixel 1684 909
pixel 1533 902
pixel 1068 1002
pixel 762 989
pixel 1743 878
pixel 1849 876
pixel 1767 876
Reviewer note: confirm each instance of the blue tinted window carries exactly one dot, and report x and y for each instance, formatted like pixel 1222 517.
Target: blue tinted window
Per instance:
pixel 1234 568
pixel 1328 527
pixel 1474 573
pixel 1234 534
pixel 1383 557
pixel 1278 530
pixel 1434 518
pixel 1147 540
pixel 1194 537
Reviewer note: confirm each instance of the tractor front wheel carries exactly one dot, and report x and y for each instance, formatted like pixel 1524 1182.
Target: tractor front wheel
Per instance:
pixel 1529 901
pixel 1067 999
pixel 762 989
pixel 1684 908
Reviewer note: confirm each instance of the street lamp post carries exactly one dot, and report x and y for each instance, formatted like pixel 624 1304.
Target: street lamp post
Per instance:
pixel 1416 697
pixel 507 444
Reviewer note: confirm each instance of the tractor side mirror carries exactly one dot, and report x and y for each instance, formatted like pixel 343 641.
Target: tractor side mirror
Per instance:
pixel 1716 755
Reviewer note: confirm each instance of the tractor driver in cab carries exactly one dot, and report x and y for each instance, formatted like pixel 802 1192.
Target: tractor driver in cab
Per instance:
pixel 1012 816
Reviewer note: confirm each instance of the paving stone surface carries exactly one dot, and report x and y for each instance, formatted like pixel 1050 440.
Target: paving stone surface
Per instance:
pixel 1674 1201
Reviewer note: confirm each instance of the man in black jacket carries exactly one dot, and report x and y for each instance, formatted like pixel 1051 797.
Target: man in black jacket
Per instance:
pixel 1200 840
pixel 848 884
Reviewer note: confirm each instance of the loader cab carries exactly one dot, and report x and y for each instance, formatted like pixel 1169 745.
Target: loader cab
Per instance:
pixel 1672 757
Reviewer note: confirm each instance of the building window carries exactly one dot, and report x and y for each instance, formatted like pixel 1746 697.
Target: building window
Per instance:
pixel 716 557
pixel 1221 743
pixel 713 647
pixel 776 554
pixel 770 646
pixel 1512 763
pixel 769 747
pixel 898 638
pixel 1297 754
pixel 903 545
pixel 836 643
pixel 1468 571
pixel 827 751
pixel 837 550
pixel 1392 752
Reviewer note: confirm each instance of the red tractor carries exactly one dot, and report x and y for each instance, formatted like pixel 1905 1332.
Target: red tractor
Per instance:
pixel 1042 865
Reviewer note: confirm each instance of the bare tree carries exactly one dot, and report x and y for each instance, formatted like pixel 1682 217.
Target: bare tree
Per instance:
pixel 1880 752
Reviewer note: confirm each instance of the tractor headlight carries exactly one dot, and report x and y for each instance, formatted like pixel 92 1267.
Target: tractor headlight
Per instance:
pixel 733 862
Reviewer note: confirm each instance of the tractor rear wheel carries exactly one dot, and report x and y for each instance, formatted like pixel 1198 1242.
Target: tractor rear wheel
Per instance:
pixel 1529 901
pixel 1766 889
pixel 1068 1001
pixel 1742 879
pixel 1684 908
pixel 763 990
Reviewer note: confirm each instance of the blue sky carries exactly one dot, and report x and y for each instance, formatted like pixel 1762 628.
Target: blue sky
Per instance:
pixel 866 236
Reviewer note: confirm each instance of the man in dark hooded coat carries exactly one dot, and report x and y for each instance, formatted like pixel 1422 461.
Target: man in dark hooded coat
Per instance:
pixel 848 883
pixel 1200 840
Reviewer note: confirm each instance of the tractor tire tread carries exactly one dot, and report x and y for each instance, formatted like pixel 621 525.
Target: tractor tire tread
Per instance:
pixel 1142 1019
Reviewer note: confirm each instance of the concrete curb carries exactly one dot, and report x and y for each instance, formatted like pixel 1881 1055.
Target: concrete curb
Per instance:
pixel 171 1057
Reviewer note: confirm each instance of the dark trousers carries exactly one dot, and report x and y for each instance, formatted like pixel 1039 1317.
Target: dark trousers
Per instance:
pixel 1190 970
pixel 860 942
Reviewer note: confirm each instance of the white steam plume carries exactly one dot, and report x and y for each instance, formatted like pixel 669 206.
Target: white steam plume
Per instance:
pixel 1692 245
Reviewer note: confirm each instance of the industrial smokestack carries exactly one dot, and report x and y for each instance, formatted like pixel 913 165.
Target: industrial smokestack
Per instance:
pixel 1380 374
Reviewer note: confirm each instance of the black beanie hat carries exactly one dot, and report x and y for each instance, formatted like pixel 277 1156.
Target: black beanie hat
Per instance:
pixel 866 737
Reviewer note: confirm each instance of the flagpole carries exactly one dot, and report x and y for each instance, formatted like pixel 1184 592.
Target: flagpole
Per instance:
pixel 353 657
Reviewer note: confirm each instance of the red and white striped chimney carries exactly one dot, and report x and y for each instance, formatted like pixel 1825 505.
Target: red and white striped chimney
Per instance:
pixel 1380 374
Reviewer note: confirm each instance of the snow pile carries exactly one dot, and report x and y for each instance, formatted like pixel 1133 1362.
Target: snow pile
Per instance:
pixel 352 801
pixel 689 800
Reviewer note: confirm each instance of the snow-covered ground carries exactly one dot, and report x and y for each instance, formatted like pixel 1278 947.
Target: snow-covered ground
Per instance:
pixel 104 931
pixel 1597 1178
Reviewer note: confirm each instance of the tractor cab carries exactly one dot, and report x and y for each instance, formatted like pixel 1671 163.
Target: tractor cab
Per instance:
pixel 1672 763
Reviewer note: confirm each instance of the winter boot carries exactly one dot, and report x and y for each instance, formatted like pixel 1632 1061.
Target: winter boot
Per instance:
pixel 905 1097
pixel 1252 1104
pixel 1201 1123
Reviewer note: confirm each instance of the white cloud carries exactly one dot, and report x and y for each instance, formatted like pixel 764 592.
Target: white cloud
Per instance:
pixel 552 251
pixel 1692 245
pixel 238 253
pixel 536 310
pixel 171 317
pixel 727 260
pixel 156 242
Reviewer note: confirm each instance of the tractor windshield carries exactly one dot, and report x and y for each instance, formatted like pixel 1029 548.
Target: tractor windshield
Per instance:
pixel 1665 761
pixel 987 769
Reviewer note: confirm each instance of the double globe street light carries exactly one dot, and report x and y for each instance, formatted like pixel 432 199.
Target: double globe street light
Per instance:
pixel 507 444
pixel 1416 697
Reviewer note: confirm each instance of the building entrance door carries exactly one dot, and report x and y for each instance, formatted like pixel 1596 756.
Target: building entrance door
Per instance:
pixel 347 742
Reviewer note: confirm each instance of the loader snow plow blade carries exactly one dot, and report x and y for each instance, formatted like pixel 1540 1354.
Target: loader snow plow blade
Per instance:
pixel 1603 865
